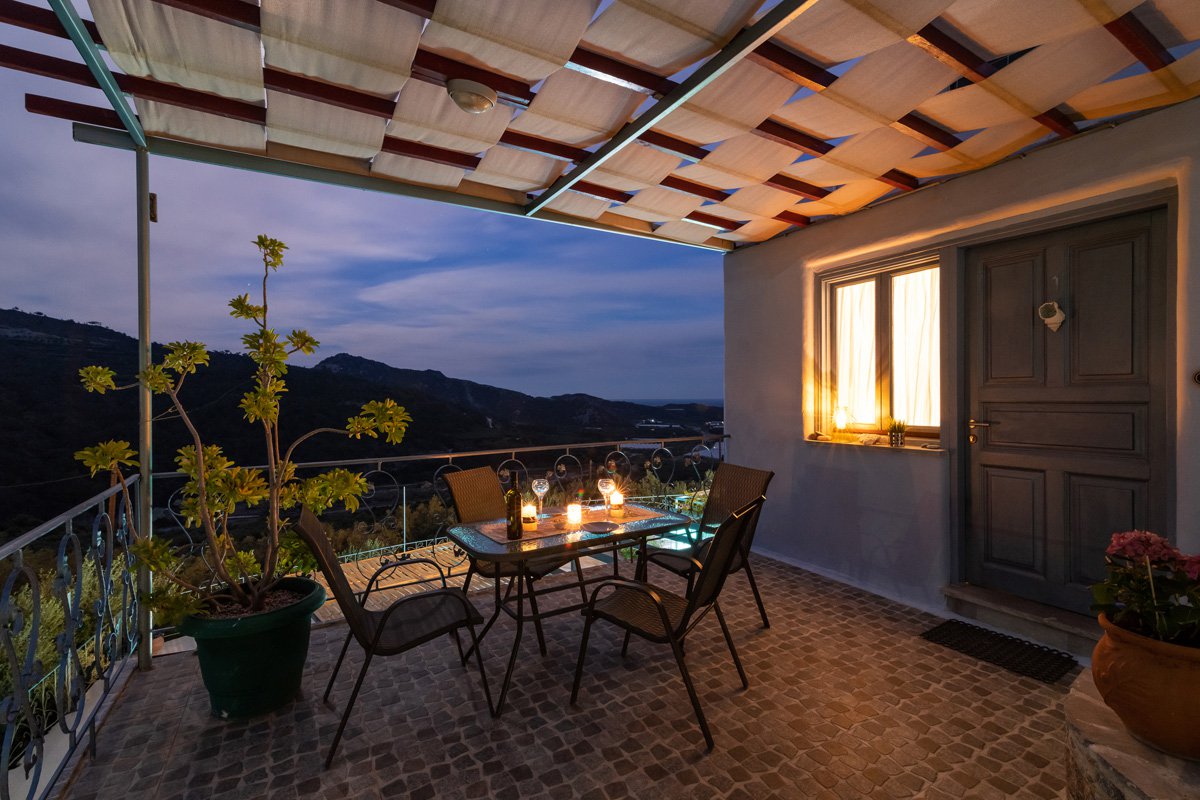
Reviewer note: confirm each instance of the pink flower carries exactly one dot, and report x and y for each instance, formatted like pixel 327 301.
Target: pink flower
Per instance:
pixel 1138 545
pixel 1191 567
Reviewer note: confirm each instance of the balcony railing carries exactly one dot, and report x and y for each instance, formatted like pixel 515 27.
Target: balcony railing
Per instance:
pixel 68 610
pixel 68 626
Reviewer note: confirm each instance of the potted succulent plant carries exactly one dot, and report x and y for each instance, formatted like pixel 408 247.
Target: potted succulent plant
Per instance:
pixel 1147 664
pixel 250 617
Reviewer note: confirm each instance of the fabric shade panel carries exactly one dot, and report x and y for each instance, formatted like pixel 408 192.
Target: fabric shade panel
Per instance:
pixel 366 45
pixel 638 166
pixel 854 352
pixel 744 160
pixel 157 41
pixel 414 170
pixel 867 155
pixel 425 113
pixel 684 231
pixel 851 197
pixel 734 103
pixel 577 109
pixel 985 147
pixel 579 205
pixel 527 40
pixel 1013 25
pixel 516 169
pixel 833 31
pixel 916 348
pixel 757 230
pixel 823 116
pixel 175 122
pixel 659 204
pixel 305 123
pixel 762 201
pixel 1182 16
pixel 664 36
pixel 1172 84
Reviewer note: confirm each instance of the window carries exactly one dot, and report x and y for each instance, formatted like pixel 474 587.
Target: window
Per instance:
pixel 881 349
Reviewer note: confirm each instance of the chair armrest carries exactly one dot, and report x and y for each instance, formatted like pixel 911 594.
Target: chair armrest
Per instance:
pixel 636 586
pixel 362 597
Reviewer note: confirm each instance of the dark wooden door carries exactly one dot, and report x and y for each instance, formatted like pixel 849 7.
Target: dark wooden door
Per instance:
pixel 1072 436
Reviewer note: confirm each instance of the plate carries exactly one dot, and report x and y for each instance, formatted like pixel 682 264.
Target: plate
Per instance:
pixel 600 527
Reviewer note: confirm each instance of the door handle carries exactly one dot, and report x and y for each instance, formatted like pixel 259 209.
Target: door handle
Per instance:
pixel 975 423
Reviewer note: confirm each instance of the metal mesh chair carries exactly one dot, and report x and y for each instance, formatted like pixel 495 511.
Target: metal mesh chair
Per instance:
pixel 477 497
pixel 733 486
pixel 658 615
pixel 406 623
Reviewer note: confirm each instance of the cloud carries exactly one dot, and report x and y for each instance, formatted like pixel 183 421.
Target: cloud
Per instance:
pixel 533 306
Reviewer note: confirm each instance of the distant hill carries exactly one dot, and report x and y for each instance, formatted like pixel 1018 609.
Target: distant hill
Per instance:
pixel 45 415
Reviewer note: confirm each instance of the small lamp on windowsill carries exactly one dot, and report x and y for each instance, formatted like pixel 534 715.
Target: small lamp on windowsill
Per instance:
pixel 841 419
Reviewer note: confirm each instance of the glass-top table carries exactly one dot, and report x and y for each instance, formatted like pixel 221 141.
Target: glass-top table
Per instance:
pixel 599 532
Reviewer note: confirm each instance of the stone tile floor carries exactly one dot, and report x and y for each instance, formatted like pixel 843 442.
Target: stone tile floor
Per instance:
pixel 845 701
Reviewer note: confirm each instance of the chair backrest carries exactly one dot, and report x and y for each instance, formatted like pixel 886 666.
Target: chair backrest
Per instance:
pixel 477 494
pixel 732 488
pixel 309 529
pixel 719 555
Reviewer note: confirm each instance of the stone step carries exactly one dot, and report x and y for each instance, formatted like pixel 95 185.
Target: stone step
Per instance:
pixel 1053 627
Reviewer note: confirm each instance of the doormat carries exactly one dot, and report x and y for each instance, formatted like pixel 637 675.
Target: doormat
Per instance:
pixel 1013 654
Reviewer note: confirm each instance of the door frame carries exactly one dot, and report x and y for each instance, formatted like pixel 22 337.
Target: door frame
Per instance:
pixel 952 256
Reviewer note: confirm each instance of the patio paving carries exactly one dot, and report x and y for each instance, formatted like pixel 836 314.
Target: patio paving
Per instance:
pixel 845 701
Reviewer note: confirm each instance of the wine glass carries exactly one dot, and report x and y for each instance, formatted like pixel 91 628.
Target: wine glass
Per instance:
pixel 606 486
pixel 540 487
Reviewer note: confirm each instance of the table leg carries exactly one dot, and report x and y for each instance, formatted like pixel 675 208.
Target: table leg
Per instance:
pixel 512 659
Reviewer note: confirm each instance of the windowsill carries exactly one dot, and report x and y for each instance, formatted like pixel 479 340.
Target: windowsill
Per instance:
pixel 912 444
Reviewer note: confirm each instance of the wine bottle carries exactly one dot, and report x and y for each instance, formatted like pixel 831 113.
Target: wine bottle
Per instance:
pixel 512 508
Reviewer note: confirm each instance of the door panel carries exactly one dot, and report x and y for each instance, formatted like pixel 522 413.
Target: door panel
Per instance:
pixel 1073 445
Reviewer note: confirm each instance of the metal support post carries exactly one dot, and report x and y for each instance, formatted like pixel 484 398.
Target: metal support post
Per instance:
pixel 145 399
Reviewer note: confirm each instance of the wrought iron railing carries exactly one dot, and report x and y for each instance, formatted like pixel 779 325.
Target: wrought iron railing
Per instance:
pixel 68 626
pixel 408 507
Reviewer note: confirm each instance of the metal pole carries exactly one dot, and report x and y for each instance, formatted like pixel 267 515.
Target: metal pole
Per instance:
pixel 145 409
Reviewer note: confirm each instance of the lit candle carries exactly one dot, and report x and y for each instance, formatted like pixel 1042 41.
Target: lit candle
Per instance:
pixel 575 514
pixel 529 518
pixel 616 504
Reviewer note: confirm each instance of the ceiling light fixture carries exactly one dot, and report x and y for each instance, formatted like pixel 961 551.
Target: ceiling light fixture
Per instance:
pixel 471 96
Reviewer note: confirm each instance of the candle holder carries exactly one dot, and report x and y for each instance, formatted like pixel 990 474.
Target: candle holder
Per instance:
pixel 616 505
pixel 574 515
pixel 529 518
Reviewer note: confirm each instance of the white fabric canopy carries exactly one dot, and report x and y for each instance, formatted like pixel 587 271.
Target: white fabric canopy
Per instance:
pixel 832 31
pixel 160 119
pixel 741 161
pixel 659 204
pixel 425 113
pixel 305 123
pixel 737 101
pixel 517 169
pixel 414 170
pixel 638 166
pixel 577 109
pixel 1013 25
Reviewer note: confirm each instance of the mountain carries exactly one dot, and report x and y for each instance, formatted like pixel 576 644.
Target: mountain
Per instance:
pixel 45 415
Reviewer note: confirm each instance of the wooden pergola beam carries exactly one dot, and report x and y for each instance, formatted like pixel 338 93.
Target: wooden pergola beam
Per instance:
pixel 692 187
pixel 786 183
pixel 793 66
pixel 428 152
pixel 42 20
pixel 1138 40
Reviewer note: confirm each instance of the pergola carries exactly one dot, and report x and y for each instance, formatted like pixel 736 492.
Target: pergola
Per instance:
pixel 708 123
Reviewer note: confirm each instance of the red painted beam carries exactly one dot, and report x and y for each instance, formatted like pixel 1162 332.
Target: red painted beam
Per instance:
pixel 312 89
pixel 437 69
pixel 676 147
pixel 231 12
pixel 536 144
pixel 716 222
pixel 585 60
pixel 1058 122
pixel 792 218
pixel 786 183
pixel 1138 40
pixel 168 93
pixel 46 66
pixel 42 20
pixel 422 8
pixel 75 112
pixel 899 180
pixel 603 192
pixel 428 152
pixel 928 132
pixel 691 187
pixel 778 132
pixel 949 51
pixel 791 65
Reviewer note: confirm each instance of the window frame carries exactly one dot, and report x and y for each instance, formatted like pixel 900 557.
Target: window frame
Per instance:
pixel 881 275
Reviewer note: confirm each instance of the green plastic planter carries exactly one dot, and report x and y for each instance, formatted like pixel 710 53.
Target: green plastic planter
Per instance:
pixel 252 665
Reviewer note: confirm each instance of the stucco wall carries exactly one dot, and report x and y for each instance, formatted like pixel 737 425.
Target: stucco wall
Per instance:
pixel 883 519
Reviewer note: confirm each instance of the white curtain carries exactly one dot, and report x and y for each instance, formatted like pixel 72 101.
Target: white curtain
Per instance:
pixel 855 358
pixel 916 354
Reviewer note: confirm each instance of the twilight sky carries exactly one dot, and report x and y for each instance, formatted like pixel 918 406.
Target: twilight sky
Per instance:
pixel 532 306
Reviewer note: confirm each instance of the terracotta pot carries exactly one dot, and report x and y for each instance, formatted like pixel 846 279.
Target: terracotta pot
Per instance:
pixel 1153 686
